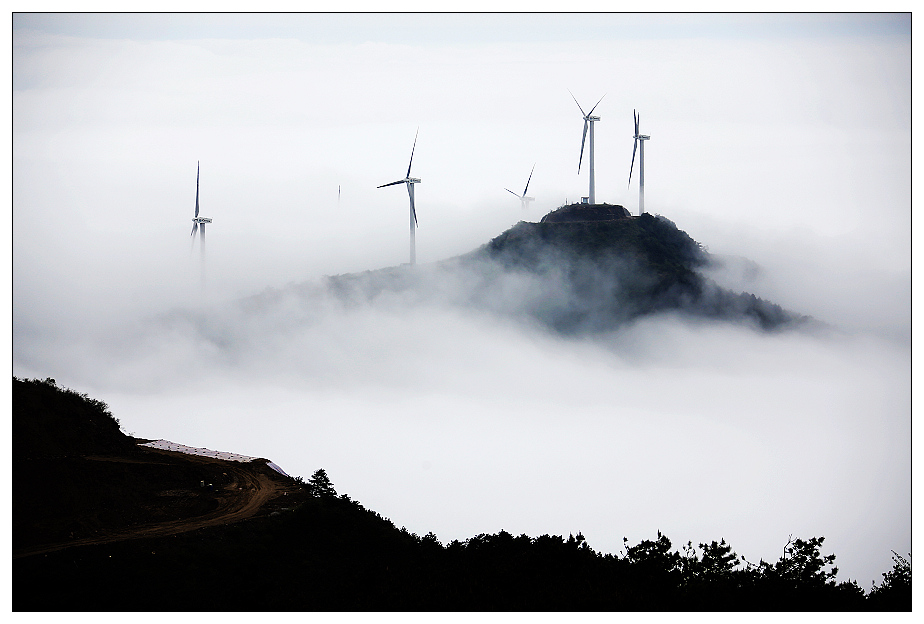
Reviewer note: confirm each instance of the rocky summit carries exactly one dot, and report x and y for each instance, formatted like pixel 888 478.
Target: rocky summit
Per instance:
pixel 586 212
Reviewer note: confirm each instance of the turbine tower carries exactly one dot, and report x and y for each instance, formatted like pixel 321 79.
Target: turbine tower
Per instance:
pixel 639 139
pixel 524 200
pixel 410 191
pixel 199 224
pixel 589 119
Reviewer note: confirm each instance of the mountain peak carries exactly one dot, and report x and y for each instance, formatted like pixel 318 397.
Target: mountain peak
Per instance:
pixel 586 212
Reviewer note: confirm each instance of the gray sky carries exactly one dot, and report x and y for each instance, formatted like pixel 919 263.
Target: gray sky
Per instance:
pixel 783 139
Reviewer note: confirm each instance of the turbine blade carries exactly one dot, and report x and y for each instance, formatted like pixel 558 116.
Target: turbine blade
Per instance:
pixel 530 178
pixel 634 145
pixel 635 118
pixel 392 183
pixel 582 146
pixel 193 233
pixel 197 189
pixel 576 102
pixel 509 191
pixel 410 194
pixel 595 105
pixel 412 154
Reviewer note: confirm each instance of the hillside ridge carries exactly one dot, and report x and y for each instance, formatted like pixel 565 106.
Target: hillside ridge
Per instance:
pixel 322 551
pixel 65 445
pixel 581 269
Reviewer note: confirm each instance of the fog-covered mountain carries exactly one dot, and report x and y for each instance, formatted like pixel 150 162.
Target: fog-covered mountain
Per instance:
pixel 581 269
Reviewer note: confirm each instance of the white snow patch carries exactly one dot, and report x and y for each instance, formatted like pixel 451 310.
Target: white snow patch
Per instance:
pixel 167 445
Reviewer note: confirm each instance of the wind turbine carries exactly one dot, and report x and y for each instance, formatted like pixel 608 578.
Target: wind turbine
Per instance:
pixel 589 119
pixel 524 200
pixel 410 191
pixel 199 224
pixel 639 139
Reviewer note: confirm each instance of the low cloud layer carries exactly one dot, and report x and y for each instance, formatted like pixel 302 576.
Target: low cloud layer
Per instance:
pixel 459 418
pixel 781 143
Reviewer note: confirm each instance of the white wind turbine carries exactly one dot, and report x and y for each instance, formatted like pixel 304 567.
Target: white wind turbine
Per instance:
pixel 639 139
pixel 524 200
pixel 410 191
pixel 199 224
pixel 589 119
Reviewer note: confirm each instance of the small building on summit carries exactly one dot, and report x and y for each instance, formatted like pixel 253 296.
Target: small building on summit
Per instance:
pixel 573 213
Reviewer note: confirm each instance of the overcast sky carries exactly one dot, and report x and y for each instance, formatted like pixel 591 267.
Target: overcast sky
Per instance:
pixel 784 139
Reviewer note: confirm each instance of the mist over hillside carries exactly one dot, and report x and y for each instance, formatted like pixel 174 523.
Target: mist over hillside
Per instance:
pixel 468 398
pixel 560 377
pixel 582 273
pixel 570 277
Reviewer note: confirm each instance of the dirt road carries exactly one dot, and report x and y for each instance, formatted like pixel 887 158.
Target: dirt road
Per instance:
pixel 252 486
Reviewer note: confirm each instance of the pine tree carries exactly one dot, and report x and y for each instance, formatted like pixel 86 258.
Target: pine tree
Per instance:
pixel 320 485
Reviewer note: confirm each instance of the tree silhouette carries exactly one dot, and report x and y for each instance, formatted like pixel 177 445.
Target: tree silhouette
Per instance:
pixel 802 563
pixel 326 552
pixel 719 560
pixel 320 485
pixel 895 592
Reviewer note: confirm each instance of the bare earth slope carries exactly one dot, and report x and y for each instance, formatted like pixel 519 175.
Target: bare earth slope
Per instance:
pixel 78 480
pixel 239 491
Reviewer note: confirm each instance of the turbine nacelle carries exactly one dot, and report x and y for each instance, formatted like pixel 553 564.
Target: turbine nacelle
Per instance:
pixel 524 200
pixel 198 227
pixel 410 182
pixel 589 119
pixel 404 181
pixel 639 141
pixel 197 220
pixel 638 138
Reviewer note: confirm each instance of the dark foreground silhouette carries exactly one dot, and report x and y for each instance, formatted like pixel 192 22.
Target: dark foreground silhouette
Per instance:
pixel 312 549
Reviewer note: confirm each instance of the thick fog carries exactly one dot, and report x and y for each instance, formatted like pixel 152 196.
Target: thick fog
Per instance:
pixel 781 143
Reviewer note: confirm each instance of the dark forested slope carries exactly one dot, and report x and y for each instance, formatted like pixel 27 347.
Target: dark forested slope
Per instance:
pixel 327 552
pixel 78 478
